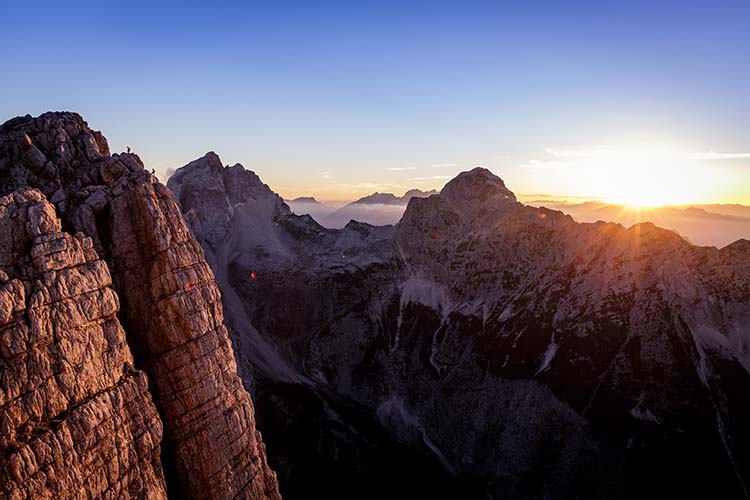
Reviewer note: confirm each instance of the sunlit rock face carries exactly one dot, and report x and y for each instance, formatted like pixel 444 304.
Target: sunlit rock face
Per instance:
pixel 169 307
pixel 76 419
pixel 506 350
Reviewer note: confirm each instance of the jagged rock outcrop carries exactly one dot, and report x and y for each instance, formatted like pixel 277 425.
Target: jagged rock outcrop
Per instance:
pixel 170 304
pixel 527 355
pixel 76 420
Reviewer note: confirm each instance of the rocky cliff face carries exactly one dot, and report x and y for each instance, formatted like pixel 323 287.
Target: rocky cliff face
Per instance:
pixel 77 420
pixel 511 351
pixel 170 306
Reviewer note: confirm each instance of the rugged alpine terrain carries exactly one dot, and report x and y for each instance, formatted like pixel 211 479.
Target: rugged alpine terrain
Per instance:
pixel 118 375
pixel 480 346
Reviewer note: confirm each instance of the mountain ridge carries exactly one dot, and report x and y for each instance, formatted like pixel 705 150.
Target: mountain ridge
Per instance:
pixel 474 300
pixel 170 315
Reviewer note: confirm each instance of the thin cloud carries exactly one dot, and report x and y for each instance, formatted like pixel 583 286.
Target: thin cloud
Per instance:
pixel 713 155
pixel 373 186
pixel 432 177
pixel 547 164
pixel 443 165
pixel 604 151
pixel 578 153
pixel 401 169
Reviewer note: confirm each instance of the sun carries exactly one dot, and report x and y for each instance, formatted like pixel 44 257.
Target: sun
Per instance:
pixel 644 177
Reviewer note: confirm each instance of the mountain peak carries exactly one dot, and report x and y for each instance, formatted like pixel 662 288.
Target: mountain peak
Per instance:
pixel 379 198
pixel 418 193
pixel 215 191
pixel 477 185
pixel 305 199
pixel 209 161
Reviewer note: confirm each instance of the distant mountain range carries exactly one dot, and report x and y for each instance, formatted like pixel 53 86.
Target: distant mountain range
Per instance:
pixel 377 209
pixel 480 347
pixel 710 224
pixel 310 206
pixel 392 199
pixel 705 224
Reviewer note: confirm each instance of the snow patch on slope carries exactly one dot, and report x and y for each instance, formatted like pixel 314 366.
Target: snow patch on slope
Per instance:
pixel 549 354
pixel 643 414
pixel 427 293
pixel 737 343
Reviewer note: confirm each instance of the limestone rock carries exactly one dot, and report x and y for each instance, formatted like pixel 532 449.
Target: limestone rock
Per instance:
pixel 76 421
pixel 170 305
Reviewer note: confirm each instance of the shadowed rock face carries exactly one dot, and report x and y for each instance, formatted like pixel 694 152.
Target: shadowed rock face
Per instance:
pixel 77 420
pixel 524 354
pixel 170 305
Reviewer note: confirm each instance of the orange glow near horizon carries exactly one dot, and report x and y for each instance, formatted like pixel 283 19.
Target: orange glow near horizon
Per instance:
pixel 641 177
pixel 644 178
pixel 633 175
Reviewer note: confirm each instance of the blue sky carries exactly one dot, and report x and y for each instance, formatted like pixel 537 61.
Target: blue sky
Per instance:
pixel 338 99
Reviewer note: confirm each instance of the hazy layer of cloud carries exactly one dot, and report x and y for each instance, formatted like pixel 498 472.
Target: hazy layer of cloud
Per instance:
pixel 602 155
pixel 605 151
pixel 702 224
pixel 377 214
pixel 432 178
pixel 713 155
pixel 548 164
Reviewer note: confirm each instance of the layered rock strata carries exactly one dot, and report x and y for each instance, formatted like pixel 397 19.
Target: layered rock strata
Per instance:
pixel 76 419
pixel 170 305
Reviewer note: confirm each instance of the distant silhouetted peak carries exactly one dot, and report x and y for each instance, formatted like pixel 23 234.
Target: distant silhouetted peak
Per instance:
pixel 385 198
pixel 418 193
pixel 392 199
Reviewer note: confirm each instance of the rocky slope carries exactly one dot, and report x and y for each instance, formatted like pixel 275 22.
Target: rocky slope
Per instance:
pixel 170 306
pixel 513 352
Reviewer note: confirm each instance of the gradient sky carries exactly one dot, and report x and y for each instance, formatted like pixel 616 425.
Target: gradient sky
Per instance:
pixel 340 99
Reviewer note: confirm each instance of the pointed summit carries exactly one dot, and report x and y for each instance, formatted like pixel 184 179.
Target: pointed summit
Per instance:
pixel 209 160
pixel 214 191
pixel 477 185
